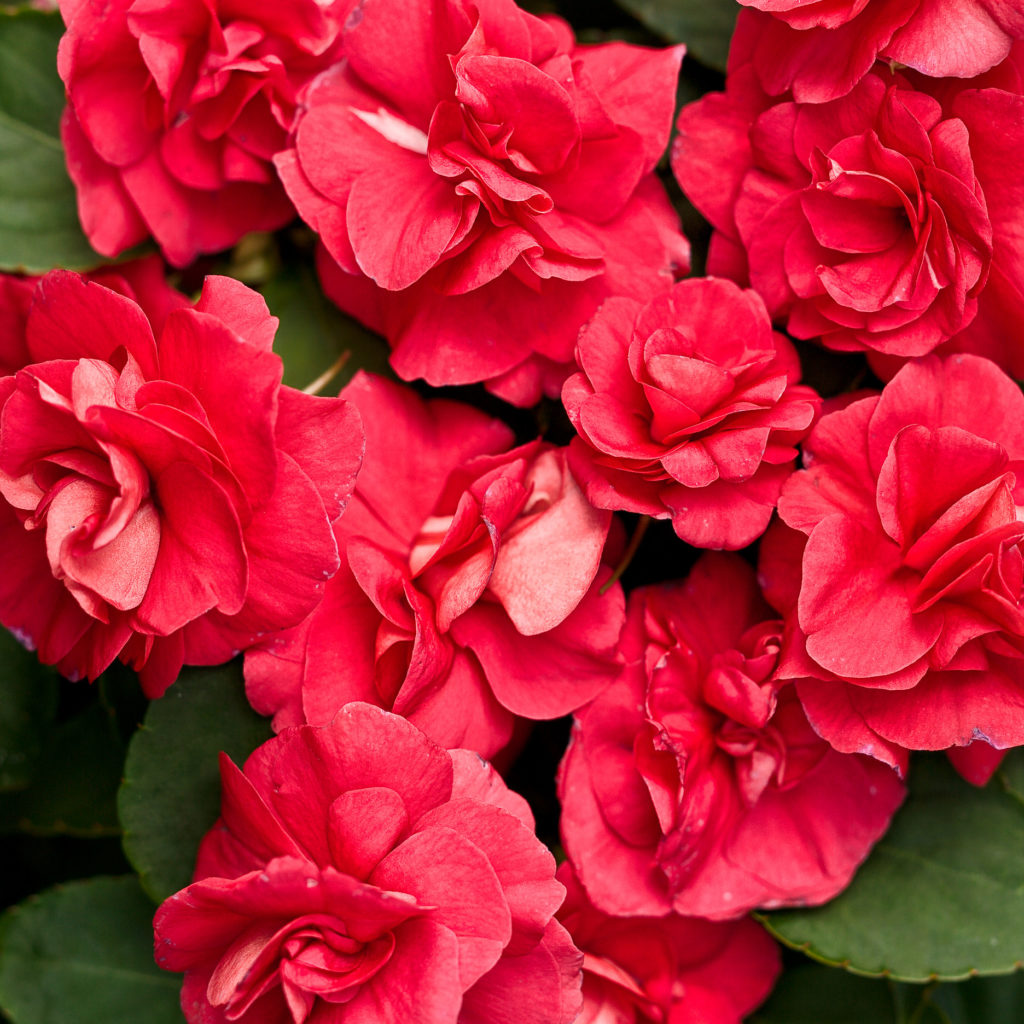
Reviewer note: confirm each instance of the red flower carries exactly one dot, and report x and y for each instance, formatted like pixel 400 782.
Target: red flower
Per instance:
pixel 821 48
pixel 883 221
pixel 175 111
pixel 147 467
pixel 904 618
pixel 360 873
pixel 687 408
pixel 649 970
pixel 694 783
pixel 469 588
pixel 469 159
pixel 141 280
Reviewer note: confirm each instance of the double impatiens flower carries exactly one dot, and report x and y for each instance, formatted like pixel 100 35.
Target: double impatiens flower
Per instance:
pixel 471 586
pixel 361 873
pixel 147 465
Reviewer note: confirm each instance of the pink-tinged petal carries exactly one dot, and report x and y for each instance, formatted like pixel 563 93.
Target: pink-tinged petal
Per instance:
pixel 424 75
pixel 976 762
pixel 427 952
pixel 364 826
pixel 949 709
pixel 119 571
pixel 72 318
pixel 109 217
pixel 552 673
pixel 837 475
pixel 325 437
pixel 308 768
pixel 524 868
pixel 711 153
pixel 788 58
pixel 459 709
pixel 307 673
pixel 202 561
pixel 536 988
pixel 942 40
pixel 442 869
pixel 820 831
pixel 943 393
pixel 401 222
pixel 477 780
pixel 603 181
pixel 833 708
pixel 288 570
pixel 857 602
pixel 249 835
pixel 724 515
pixel 1004 193
pixel 411 447
pixel 780 557
pixel 240 308
pixel 205 918
pixel 33 605
pixel 601 352
pixel 237 385
pixel 186 222
pixel 325 217
pixel 536 110
pixel 635 86
pixel 599 854
pixel 161 665
pixel 550 556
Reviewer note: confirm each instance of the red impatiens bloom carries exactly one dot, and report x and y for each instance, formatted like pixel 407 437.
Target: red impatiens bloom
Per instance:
pixel 359 874
pixel 687 408
pixel 666 970
pixel 901 578
pixel 468 160
pixel 821 48
pixel 469 591
pixel 695 783
pixel 885 221
pixel 176 109
pixel 165 499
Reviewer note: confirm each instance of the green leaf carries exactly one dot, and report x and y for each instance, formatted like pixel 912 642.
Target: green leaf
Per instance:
pixel 812 994
pixel 83 952
pixel 941 896
pixel 28 702
pixel 314 333
pixel 39 226
pixel 1011 773
pixel 74 789
pixel 706 26
pixel 171 792
pixel 982 1000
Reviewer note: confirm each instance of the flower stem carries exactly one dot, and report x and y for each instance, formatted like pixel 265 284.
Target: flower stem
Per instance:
pixel 324 379
pixel 631 548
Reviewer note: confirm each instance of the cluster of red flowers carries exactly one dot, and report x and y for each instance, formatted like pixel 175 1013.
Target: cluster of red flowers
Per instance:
pixel 409 585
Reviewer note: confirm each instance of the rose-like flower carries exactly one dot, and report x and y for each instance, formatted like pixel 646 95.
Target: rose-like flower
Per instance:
pixel 469 591
pixel 164 498
pixel 469 159
pixel 884 221
pixel 821 48
pixel 360 873
pixel 652 970
pixel 687 408
pixel 901 575
pixel 175 111
pixel 694 783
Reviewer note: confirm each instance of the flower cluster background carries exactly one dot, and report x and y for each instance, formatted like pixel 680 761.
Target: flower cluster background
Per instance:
pixel 510 513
